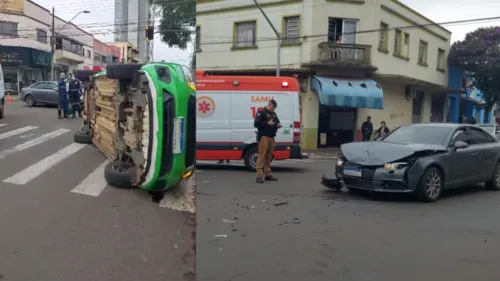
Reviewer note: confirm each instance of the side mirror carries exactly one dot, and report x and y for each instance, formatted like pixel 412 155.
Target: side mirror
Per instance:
pixel 460 144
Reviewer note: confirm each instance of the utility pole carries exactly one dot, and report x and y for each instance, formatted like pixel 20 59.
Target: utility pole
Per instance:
pixel 278 37
pixel 53 44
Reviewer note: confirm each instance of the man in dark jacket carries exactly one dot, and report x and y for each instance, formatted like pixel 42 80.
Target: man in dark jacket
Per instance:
pixel 267 124
pixel 367 129
pixel 63 97
pixel 75 89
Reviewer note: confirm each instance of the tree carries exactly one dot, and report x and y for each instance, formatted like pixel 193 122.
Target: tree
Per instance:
pixel 479 53
pixel 177 23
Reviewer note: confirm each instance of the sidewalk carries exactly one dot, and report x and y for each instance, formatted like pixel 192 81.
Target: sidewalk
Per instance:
pixel 322 153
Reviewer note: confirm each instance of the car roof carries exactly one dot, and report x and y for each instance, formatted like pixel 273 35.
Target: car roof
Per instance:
pixel 441 125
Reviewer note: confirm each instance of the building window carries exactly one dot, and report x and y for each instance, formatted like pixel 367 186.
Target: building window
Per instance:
pixel 441 59
pixel 405 51
pixel 342 30
pixel 8 28
pixel 70 46
pixel 422 53
pixel 41 36
pixel 97 57
pixel 89 54
pixel 397 42
pixel 245 33
pixel 197 41
pixel 291 30
pixel 383 37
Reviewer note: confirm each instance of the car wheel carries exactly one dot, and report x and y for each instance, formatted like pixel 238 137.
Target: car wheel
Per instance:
pixel 494 182
pixel 430 186
pixel 250 158
pixel 122 71
pixel 1 113
pixel 29 100
pixel 83 137
pixel 118 175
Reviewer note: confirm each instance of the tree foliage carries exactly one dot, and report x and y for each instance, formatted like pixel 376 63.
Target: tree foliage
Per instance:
pixel 479 53
pixel 177 23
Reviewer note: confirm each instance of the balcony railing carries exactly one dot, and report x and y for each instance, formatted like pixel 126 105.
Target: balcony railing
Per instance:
pixel 348 54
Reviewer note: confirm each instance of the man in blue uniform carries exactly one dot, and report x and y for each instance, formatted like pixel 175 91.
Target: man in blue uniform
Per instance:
pixel 75 89
pixel 63 97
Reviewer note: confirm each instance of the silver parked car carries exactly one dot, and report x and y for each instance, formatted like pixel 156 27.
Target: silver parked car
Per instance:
pixel 44 93
pixel 493 129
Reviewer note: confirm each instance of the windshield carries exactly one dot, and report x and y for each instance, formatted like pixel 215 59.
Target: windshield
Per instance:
pixel 419 135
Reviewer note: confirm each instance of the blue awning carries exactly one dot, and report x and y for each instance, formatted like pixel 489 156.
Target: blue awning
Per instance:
pixel 359 93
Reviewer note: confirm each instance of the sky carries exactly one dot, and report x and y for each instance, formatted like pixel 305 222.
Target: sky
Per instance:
pixel 101 20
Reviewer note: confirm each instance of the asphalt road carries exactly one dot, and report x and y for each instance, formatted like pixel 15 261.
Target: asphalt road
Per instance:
pixel 315 234
pixel 60 221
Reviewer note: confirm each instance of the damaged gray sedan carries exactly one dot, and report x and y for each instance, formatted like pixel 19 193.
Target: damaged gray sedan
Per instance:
pixel 423 159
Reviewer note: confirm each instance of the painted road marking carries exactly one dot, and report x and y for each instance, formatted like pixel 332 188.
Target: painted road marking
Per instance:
pixel 16 132
pixel 3 125
pixel 33 142
pixel 94 183
pixel 43 165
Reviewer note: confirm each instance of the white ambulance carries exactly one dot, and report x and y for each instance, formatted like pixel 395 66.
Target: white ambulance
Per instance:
pixel 226 107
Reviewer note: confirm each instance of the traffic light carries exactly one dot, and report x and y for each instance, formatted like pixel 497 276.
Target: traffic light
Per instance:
pixel 150 32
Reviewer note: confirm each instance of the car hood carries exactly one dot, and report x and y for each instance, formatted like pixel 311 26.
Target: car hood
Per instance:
pixel 380 152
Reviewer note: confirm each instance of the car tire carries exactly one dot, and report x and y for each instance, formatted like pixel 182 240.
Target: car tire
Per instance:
pixel 1 113
pixel 83 137
pixel 83 75
pixel 430 186
pixel 250 158
pixel 117 177
pixel 122 71
pixel 494 182
pixel 29 100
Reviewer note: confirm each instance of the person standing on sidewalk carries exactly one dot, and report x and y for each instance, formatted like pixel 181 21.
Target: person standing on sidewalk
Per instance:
pixel 63 97
pixel 267 124
pixel 367 129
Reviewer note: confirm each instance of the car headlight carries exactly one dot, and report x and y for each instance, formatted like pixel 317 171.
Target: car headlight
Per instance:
pixel 340 162
pixel 395 166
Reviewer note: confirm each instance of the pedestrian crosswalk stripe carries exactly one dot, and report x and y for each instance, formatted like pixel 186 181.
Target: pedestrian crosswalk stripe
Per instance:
pixel 94 183
pixel 43 165
pixel 16 132
pixel 33 142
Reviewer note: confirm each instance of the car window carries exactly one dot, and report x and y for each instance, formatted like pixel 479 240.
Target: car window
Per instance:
pixel 47 86
pixel 479 136
pixel 497 129
pixel 488 128
pixel 38 85
pixel 461 135
pixel 188 74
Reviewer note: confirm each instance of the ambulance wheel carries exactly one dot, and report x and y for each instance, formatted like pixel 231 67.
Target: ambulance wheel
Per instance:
pixel 83 75
pixel 250 158
pixel 122 71
pixel 117 175
pixel 83 137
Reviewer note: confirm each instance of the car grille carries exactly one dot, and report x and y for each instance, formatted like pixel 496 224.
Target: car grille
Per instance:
pixel 167 156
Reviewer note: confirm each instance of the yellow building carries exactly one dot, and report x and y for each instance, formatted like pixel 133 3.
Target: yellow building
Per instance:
pixel 128 52
pixel 353 58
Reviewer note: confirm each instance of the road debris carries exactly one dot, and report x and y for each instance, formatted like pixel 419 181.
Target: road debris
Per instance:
pixel 281 203
pixel 220 235
pixel 228 221
pixel 296 221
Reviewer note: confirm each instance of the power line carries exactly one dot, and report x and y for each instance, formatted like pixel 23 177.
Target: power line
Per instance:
pixel 468 21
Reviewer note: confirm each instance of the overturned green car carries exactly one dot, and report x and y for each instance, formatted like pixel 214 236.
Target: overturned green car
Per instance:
pixel 143 118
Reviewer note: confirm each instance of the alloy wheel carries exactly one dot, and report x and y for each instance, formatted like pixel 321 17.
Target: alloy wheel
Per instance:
pixel 497 176
pixel 433 185
pixel 253 160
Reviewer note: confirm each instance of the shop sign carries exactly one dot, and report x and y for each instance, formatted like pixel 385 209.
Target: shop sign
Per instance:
pixel 24 57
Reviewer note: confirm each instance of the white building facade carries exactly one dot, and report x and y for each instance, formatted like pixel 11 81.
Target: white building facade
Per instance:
pixel 353 58
pixel 25 51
